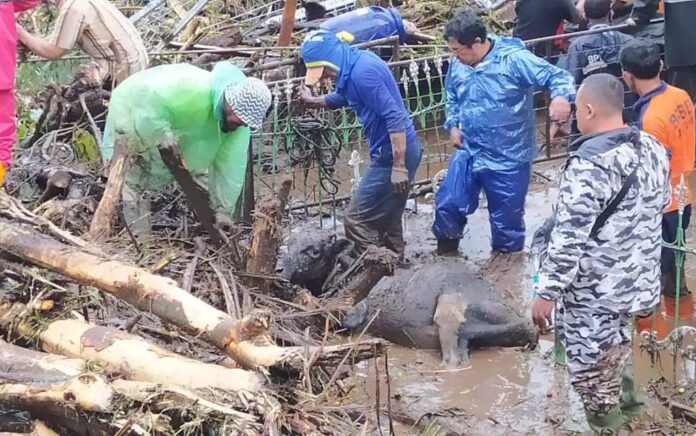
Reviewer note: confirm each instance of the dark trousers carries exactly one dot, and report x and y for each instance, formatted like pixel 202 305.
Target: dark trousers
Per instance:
pixel 374 214
pixel 670 225
pixel 683 78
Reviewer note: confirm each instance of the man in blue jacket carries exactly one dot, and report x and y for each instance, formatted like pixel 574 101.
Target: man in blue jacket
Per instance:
pixel 489 89
pixel 364 82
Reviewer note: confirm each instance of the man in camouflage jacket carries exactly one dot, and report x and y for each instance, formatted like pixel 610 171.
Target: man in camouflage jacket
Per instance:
pixel 604 268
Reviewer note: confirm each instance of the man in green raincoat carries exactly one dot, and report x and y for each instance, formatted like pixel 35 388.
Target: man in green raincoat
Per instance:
pixel 209 115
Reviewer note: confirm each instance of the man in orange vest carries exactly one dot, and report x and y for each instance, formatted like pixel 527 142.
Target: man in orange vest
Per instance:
pixel 667 113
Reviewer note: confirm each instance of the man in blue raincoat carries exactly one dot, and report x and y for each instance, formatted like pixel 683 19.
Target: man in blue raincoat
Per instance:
pixel 489 89
pixel 366 84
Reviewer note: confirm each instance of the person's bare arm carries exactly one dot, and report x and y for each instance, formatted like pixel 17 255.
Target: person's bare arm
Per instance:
pixel 40 46
pixel 398 142
pixel 399 177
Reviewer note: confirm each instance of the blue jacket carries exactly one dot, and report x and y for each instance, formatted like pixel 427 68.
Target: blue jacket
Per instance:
pixel 594 54
pixel 371 91
pixel 367 24
pixel 492 103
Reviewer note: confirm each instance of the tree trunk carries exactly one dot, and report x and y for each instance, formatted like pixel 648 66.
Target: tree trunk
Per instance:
pixel 288 23
pixel 102 223
pixel 148 292
pixel 267 236
pixel 128 355
pixel 71 400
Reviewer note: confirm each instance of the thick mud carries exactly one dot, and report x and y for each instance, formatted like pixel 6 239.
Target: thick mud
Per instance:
pixel 506 391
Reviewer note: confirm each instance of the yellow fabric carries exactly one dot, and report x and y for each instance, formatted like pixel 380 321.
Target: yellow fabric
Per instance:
pixel 345 36
pixel 2 173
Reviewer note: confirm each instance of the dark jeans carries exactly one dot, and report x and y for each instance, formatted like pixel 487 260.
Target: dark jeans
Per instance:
pixel 670 225
pixel 374 214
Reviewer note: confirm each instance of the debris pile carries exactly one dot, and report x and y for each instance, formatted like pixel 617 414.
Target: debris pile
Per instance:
pixel 162 334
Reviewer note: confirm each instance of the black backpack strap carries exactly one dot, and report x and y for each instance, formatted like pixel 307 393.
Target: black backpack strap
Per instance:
pixel 614 203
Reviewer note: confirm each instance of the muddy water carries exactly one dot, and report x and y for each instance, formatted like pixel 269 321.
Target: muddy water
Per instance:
pixel 506 391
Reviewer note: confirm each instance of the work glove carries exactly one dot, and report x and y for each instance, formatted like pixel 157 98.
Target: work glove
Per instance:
pixel 399 180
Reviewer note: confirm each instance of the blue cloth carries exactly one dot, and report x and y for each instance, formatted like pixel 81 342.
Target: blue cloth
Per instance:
pixel 594 54
pixel 367 85
pixel 505 191
pixel 367 24
pixel 492 103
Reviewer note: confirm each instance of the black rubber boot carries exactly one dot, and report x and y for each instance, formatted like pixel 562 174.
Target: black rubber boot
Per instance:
pixel 447 247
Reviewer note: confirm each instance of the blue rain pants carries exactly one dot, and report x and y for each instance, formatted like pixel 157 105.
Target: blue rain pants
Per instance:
pixel 505 191
pixel 374 214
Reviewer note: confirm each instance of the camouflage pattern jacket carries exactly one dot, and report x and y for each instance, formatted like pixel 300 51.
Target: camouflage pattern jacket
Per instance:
pixel 617 269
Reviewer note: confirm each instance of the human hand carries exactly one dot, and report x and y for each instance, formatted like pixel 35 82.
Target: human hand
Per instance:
pixel 456 137
pixel 399 180
pixel 631 22
pixel 223 222
pixel 541 312
pixel 559 110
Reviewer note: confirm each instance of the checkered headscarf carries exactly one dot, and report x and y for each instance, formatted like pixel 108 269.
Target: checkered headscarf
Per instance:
pixel 250 100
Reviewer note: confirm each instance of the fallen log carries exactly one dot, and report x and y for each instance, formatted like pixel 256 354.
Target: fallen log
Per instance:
pixel 81 405
pixel 126 354
pixel 148 292
pixel 162 297
pixel 359 279
pixel 267 236
pixel 102 223
pixel 43 394
pixel 19 365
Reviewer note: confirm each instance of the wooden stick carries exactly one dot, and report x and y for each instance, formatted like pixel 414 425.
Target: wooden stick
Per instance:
pixel 267 236
pixel 288 23
pixel 197 197
pixel 102 223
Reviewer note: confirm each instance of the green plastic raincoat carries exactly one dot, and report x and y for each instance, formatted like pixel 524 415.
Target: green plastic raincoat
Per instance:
pixel 187 102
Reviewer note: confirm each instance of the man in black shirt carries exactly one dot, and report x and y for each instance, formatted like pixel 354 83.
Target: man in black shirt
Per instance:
pixel 680 33
pixel 541 18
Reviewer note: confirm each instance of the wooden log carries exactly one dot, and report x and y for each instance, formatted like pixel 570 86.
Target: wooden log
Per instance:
pixel 148 292
pixel 162 297
pixel 128 355
pixel 267 236
pixel 76 402
pixel 102 223
pixel 288 23
pixel 86 392
pixel 359 279
pixel 19 365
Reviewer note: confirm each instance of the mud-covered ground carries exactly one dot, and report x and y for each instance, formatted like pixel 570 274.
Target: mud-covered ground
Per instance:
pixel 506 391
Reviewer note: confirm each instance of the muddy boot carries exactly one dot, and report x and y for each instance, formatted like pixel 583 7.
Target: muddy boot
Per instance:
pixel 447 247
pixel 631 401
pixel 608 424
pixel 658 325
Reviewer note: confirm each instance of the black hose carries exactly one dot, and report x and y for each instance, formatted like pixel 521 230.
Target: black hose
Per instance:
pixel 316 141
